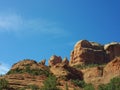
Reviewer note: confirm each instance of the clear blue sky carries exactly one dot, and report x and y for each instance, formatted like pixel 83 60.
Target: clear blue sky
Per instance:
pixel 37 29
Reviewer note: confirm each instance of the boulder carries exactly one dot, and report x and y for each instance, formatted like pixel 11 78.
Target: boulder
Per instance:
pixel 54 60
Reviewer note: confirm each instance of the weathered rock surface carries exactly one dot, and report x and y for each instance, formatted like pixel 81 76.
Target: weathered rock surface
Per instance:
pixel 18 81
pixel 86 52
pixel 32 64
pixel 112 50
pixel 42 62
pixel 93 75
pixel 65 71
pixel 102 75
pixel 111 70
pixel 55 60
pixel 65 61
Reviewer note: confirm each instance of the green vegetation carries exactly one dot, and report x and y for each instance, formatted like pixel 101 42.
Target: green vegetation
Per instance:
pixel 89 87
pixel 83 85
pixel 113 85
pixel 79 83
pixel 66 87
pixel 88 66
pixel 50 83
pixel 3 84
pixel 30 71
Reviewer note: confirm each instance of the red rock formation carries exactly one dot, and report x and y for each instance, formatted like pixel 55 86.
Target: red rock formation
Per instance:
pixel 65 71
pixel 102 75
pixel 54 60
pixel 111 70
pixel 31 63
pixel 42 62
pixel 65 61
pixel 112 50
pixel 93 75
pixel 86 52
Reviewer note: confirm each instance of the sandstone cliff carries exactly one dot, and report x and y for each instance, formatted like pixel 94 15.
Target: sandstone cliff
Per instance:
pixel 86 52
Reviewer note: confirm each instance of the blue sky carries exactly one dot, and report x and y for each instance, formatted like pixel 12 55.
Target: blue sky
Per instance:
pixel 38 29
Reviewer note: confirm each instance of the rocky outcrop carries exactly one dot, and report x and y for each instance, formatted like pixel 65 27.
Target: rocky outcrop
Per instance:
pixel 65 61
pixel 93 75
pixel 111 70
pixel 55 60
pixel 27 63
pixel 112 50
pixel 42 62
pixel 86 52
pixel 102 74
pixel 61 70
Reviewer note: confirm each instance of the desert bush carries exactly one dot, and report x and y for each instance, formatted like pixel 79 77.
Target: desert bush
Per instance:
pixel 89 87
pixel 50 83
pixel 4 84
pixel 79 83
pixel 83 85
pixel 66 86
pixel 113 85
pixel 33 87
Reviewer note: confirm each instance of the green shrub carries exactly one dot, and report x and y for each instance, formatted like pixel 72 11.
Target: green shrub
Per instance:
pixel 66 87
pixel 89 87
pixel 33 87
pixel 82 84
pixel 79 83
pixel 113 85
pixel 102 87
pixel 4 84
pixel 50 83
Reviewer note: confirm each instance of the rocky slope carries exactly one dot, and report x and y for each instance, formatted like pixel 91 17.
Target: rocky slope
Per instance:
pixel 89 62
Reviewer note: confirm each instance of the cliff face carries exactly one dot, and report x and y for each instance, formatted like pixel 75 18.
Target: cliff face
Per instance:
pixel 86 52
pixel 112 50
